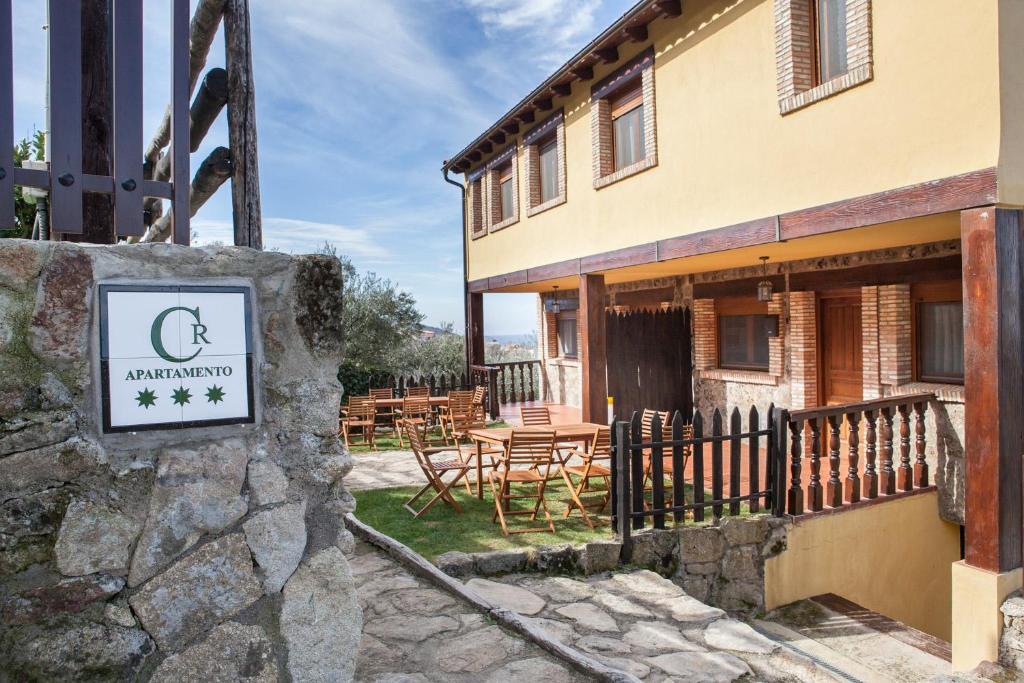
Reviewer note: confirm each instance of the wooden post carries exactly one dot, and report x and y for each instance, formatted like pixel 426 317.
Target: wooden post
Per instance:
pixel 245 179
pixel 593 349
pixel 97 115
pixel 991 241
pixel 474 328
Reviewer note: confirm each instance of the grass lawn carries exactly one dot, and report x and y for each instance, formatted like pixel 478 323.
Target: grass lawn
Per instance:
pixel 387 440
pixel 442 529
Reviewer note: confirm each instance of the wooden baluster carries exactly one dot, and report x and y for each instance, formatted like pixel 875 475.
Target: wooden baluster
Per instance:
pixel 795 496
pixel 851 493
pixel 522 385
pixel 753 459
pixel 870 452
pixel 834 493
pixel 657 474
pixel 502 397
pixel 637 465
pixel 906 474
pixel 697 455
pixel 815 496
pixel 716 464
pixel 920 465
pixel 529 382
pixel 678 485
pixel 887 479
pixel 735 461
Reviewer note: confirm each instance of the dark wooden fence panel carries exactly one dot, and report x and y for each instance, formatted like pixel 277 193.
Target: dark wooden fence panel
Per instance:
pixel 649 363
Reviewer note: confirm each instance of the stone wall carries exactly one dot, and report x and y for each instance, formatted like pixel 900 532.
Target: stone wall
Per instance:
pixel 178 554
pixel 1011 643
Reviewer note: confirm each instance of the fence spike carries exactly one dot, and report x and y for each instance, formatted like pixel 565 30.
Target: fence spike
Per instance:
pixel 735 459
pixel 754 459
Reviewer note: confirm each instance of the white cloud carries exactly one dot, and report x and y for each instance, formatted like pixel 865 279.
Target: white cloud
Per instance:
pixel 300 237
pixel 557 28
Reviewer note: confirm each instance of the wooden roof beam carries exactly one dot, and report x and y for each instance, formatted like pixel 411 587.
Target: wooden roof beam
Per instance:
pixel 637 34
pixel 543 103
pixel 497 138
pixel 562 89
pixel 584 72
pixel 669 8
pixel 511 127
pixel 608 55
pixel 526 116
pixel 486 147
pixel 475 155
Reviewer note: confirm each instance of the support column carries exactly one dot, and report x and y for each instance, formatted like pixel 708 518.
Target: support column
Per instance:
pixel 474 329
pixel 991 240
pixel 593 349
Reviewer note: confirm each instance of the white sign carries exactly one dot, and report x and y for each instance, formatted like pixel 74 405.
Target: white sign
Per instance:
pixel 175 356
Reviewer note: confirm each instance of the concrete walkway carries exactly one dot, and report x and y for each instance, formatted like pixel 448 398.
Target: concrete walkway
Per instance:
pixel 414 632
pixel 383 470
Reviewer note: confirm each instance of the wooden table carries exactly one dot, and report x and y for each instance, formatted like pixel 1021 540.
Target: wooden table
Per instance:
pixel 397 402
pixel 580 431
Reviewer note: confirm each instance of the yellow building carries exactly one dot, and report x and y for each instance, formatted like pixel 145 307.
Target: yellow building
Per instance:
pixel 872 150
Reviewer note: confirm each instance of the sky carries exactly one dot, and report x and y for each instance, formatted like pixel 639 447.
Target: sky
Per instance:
pixel 358 102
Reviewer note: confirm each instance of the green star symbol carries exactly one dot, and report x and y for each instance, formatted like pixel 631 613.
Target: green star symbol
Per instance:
pixel 146 398
pixel 181 396
pixel 215 394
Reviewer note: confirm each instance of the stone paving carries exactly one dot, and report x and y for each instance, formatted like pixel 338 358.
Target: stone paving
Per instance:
pixel 642 623
pixel 414 632
pixel 383 470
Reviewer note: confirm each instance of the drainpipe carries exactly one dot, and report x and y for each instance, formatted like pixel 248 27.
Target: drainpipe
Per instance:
pixel 465 271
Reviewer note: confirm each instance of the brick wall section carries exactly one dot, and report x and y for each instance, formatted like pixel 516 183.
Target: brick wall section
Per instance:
pixel 894 322
pixel 531 163
pixel 803 323
pixel 601 138
pixel 531 171
pixel 795 62
pixel 705 335
pixel 872 386
pixel 777 344
pixel 493 198
pixel 475 208
pixel 551 334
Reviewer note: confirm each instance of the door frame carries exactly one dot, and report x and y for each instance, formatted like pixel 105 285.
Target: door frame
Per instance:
pixel 820 297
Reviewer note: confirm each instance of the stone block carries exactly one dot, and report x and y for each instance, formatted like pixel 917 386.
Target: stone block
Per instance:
pixel 745 530
pixel 477 650
pixel 555 559
pixel 700 544
pixel 508 596
pixel 232 652
pixel 95 537
pixel 268 483
pixel 739 596
pixel 86 652
pixel 655 549
pixel 277 538
pixel 698 587
pixel 320 618
pixel 69 595
pixel 199 591
pixel 744 562
pixel 702 568
pixel 702 667
pixel 600 556
pixel 455 564
pixel 500 562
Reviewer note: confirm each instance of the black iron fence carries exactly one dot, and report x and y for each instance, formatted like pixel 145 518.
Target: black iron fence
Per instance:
pixel 682 469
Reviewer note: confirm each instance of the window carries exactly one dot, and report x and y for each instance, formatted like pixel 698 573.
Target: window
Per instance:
pixel 939 332
pixel 628 127
pixel 566 323
pixel 829 30
pixel 743 341
pixel 547 153
pixel 508 191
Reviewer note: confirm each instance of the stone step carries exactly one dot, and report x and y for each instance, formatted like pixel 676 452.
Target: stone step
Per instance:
pixel 862 645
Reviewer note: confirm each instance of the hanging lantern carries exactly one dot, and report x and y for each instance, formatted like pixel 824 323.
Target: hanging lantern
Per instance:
pixel 554 304
pixel 764 287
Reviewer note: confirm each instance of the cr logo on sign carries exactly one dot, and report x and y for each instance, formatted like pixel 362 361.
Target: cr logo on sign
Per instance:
pixel 199 331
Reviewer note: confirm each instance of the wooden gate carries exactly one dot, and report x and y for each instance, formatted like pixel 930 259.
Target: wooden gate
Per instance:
pixel 649 361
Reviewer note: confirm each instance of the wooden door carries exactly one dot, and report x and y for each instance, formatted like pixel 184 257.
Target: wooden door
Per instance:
pixel 842 368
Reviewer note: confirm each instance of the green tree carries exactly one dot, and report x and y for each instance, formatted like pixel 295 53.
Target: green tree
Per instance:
pixel 25 207
pixel 444 353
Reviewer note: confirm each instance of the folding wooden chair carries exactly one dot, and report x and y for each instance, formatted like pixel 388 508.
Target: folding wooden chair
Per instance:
pixel 540 416
pixel 459 403
pixel 478 399
pixel 361 413
pixel 461 424
pixel 386 412
pixel 433 470
pixel 414 410
pixel 527 460
pixel 666 435
pixel 599 451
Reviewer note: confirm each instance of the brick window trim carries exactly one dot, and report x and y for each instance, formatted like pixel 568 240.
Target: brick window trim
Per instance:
pixel 493 191
pixel 475 210
pixel 795 61
pixel 705 332
pixel 601 130
pixel 531 161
